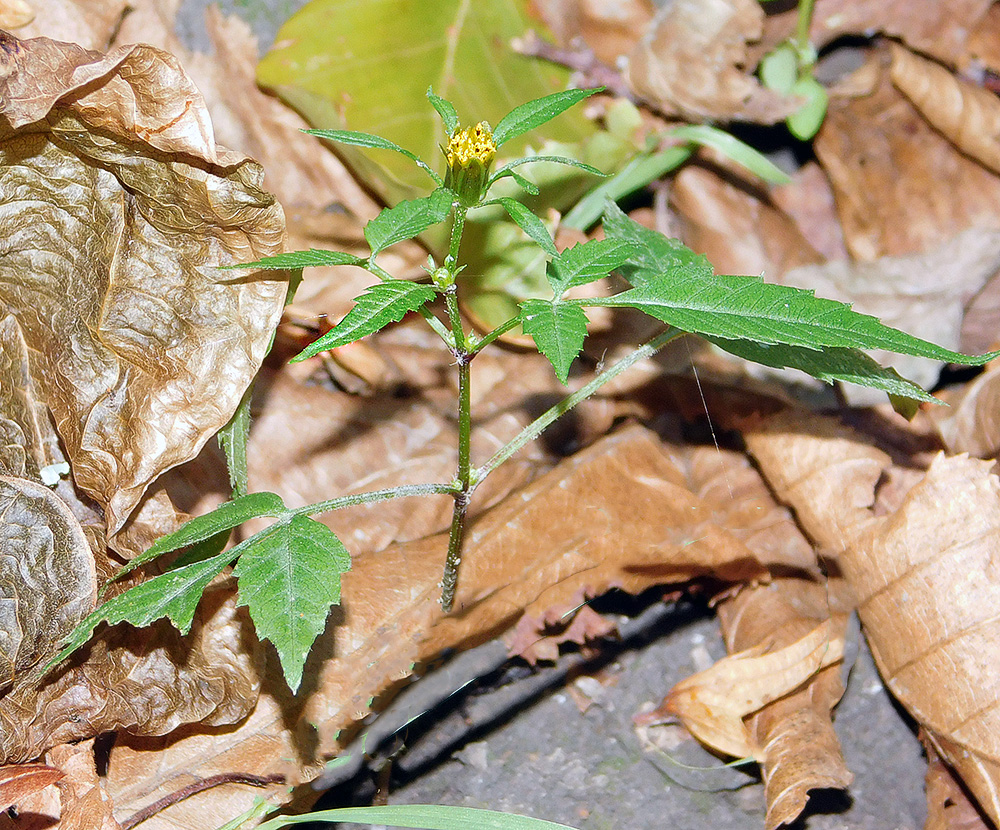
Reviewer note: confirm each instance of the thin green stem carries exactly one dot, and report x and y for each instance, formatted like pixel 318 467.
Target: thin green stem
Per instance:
pixel 802 25
pixel 536 427
pixel 375 496
pixel 499 331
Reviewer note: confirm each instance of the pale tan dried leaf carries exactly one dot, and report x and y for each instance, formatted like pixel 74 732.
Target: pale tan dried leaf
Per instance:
pixel 972 422
pixel 615 514
pixel 692 61
pixel 85 805
pixel 538 638
pixel 901 188
pixel 923 293
pixel 963 112
pixel 713 703
pixel 735 227
pixel 15 13
pixel 798 748
pixel 822 469
pixel 122 205
pixel 90 23
pixel 983 45
pixel 942 30
pixel 808 201
pixel 927 580
pixel 17 781
pixel 149 680
pixel 609 27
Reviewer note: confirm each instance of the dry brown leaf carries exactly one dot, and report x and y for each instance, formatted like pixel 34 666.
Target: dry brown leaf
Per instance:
pixel 693 62
pixel 15 13
pixel 609 27
pixel 18 781
pixel 924 574
pixel 148 680
pixel 972 422
pixel 901 188
pixel 963 112
pixel 89 23
pixel 808 201
pixel 927 580
pixel 798 749
pixel 949 806
pixel 925 294
pixel 125 203
pixel 735 227
pixel 713 703
pixel 615 514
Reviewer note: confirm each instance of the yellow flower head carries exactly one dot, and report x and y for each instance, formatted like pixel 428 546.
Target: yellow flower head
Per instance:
pixel 470 155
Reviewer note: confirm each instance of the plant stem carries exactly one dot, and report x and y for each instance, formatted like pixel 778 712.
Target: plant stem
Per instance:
pixel 499 331
pixel 536 427
pixel 374 496
pixel 802 25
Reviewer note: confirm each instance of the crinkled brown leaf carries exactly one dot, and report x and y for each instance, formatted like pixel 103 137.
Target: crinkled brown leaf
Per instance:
pixel 615 514
pixel 120 199
pixel 963 112
pixel 927 580
pixel 692 61
pixel 796 744
pixel 737 229
pixel 972 423
pixel 900 186
pixel 17 781
pixel 149 680
pixel 924 574
pixel 713 703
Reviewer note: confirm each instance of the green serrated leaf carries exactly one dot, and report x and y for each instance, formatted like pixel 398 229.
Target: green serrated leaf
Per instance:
pixel 731 147
pixel 376 142
pixel 656 253
pixel 289 580
pixel 381 304
pixel 449 116
pixel 301 259
pixel 558 331
pixel 407 219
pixel 174 594
pixel 828 365
pixel 535 113
pixel 225 517
pixel 529 223
pixel 588 261
pixel 421 817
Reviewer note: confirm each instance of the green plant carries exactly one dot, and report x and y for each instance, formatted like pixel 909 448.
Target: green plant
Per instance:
pixel 789 69
pixel 289 573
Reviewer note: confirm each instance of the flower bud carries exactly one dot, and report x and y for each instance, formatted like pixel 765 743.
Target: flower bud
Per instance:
pixel 470 155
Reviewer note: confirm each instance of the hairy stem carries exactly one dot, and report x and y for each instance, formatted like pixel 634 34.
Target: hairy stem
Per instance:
pixel 536 427
pixel 375 496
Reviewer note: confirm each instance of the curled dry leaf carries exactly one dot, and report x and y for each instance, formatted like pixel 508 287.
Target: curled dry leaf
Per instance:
pixel 949 806
pixel 900 186
pixel 927 580
pixel 614 514
pixel 925 577
pixel 48 581
pixel 120 206
pixel 18 781
pixel 972 424
pixel 149 681
pixel 963 112
pixel 692 61
pixel 794 738
pixel 713 703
